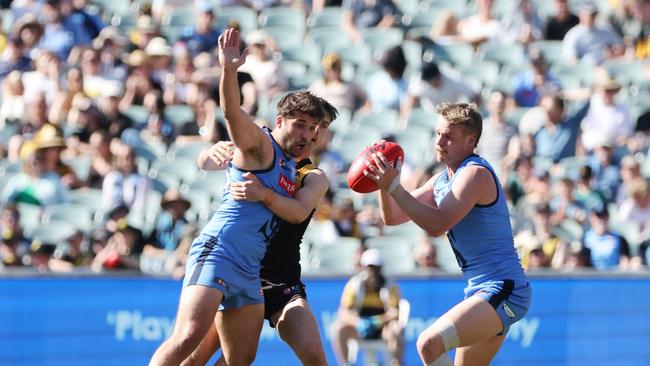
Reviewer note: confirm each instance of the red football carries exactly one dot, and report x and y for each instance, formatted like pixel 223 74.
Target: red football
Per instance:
pixel 359 182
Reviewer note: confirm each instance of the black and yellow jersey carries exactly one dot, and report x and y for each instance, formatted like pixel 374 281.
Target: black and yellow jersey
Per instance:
pixel 281 262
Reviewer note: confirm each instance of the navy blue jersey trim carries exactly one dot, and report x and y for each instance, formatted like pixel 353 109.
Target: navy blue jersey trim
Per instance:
pixel 209 246
pixel 503 294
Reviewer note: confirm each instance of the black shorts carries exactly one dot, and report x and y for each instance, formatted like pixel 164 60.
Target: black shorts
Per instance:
pixel 278 295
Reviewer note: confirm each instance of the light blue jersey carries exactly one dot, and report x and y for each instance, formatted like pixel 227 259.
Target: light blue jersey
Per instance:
pixel 484 248
pixel 228 252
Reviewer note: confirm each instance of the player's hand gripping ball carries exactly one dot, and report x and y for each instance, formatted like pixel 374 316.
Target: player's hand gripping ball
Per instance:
pixel 359 182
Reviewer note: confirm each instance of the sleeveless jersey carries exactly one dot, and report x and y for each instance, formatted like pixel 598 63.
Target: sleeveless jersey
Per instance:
pixel 244 228
pixel 282 260
pixel 482 241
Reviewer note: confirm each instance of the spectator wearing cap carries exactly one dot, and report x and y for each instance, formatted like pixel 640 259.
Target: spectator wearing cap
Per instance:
pixel 204 36
pixel 29 30
pixel 606 117
pixel 558 138
pixel 49 141
pixel 13 243
pixel 497 133
pixel 171 227
pixel 111 45
pixel 124 185
pixel 146 28
pixel 530 85
pixel 369 309
pixel 34 185
pixel 332 87
pixel 267 72
pixel 609 250
pixel 386 89
pixel 160 55
pixel 561 22
pixel 139 82
pixel 362 14
pixel 590 43
pixel 13 57
pixel 432 86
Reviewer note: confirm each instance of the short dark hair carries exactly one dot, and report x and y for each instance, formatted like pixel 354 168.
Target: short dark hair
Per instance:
pixel 394 61
pixel 301 101
pixel 429 70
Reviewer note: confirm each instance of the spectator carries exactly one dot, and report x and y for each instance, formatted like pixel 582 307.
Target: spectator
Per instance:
pixel 630 169
pixel 606 117
pixel 171 227
pixel 139 82
pixel 362 14
pixel 557 139
pixel 109 106
pixel 587 197
pixel 73 85
pixel 58 37
pixel 29 30
pixel 177 85
pixel 50 144
pixel 123 243
pixel 13 243
pixel 44 79
pixel 530 85
pixel 332 87
pixel 605 166
pixel 482 26
pixel 39 256
pixel 564 205
pixel 145 30
pixel 13 58
pixel 516 187
pixel 425 253
pixel 523 25
pixel 342 222
pixel 431 86
pixel 267 73
pixel 84 26
pixel 204 37
pixel 160 55
pixel 111 45
pixel 386 89
pixel 589 43
pixel 71 254
pixel 369 309
pixel 497 134
pixel 34 185
pixel 12 107
pixel 531 251
pixel 124 185
pixel 101 158
pixel 641 39
pixel 94 81
pixel 608 250
pixel 559 24
pixel 637 207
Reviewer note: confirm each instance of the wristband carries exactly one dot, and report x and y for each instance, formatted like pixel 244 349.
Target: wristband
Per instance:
pixel 269 197
pixel 394 184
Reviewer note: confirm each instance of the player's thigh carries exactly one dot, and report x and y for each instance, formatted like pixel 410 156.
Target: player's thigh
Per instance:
pixel 209 345
pixel 196 310
pixel 475 320
pixel 296 324
pixel 479 354
pixel 239 330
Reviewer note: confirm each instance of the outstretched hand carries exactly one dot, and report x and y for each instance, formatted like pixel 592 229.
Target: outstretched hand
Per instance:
pixel 249 190
pixel 221 153
pixel 383 172
pixel 229 54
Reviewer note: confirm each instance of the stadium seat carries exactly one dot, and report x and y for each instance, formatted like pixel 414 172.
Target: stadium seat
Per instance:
pixel 77 215
pixel 285 37
pixel 294 69
pixel 514 115
pixel 285 17
pixel 137 113
pixel 504 55
pixel 245 16
pixel 460 55
pixel 338 257
pixel 379 40
pixel 412 53
pixel 309 54
pixel 484 71
pixel 181 16
pixel 91 198
pixel 381 121
pixel 422 18
pixel 420 118
pixel 327 38
pixel 80 165
pixel 398 249
pixel 356 55
pixel 551 49
pixel 52 233
pixel 184 169
pixel 329 17
pixel 179 114
pixel 30 216
pixel 186 151
pixel 410 231
pixel 459 8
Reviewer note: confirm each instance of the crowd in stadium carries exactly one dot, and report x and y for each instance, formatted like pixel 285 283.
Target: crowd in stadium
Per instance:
pixel 106 104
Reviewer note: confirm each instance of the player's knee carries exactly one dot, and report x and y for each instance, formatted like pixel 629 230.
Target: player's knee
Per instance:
pixel 440 338
pixel 311 353
pixel 187 338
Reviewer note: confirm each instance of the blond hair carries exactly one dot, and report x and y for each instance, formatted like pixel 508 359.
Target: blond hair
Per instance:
pixel 465 115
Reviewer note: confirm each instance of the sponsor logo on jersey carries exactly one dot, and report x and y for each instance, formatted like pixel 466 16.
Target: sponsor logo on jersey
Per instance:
pixel 283 164
pixel 287 184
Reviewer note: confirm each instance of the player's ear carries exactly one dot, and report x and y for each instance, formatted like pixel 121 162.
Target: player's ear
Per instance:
pixel 278 121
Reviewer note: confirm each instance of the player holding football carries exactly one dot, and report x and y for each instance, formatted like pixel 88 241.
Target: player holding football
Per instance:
pixel 465 201
pixel 285 299
pixel 224 260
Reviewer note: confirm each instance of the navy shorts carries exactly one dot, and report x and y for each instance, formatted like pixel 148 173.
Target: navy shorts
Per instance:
pixel 207 266
pixel 278 295
pixel 509 298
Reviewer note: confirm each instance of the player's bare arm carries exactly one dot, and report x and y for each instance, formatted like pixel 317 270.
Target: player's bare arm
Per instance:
pixel 392 214
pixel 254 149
pixel 216 157
pixel 474 185
pixel 294 210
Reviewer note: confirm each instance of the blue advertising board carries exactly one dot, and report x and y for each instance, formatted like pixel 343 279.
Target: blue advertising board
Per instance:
pixel 573 321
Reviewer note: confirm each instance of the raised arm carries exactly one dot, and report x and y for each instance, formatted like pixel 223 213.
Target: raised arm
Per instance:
pixel 294 210
pixel 243 131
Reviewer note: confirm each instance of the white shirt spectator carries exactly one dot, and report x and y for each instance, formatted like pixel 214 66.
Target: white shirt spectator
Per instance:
pixel 612 121
pixel 588 44
pixel 452 89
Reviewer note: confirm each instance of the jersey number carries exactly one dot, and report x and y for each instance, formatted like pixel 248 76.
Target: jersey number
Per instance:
pixel 270 228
